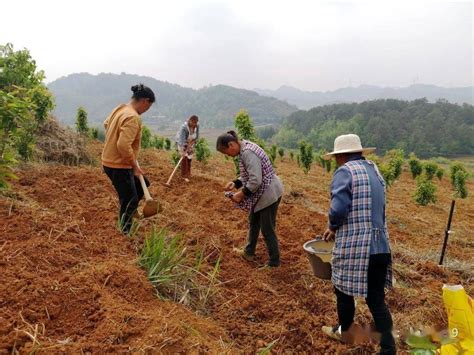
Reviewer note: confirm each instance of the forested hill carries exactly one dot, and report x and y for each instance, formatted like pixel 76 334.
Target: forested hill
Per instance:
pixel 216 105
pixel 428 129
pixel 307 99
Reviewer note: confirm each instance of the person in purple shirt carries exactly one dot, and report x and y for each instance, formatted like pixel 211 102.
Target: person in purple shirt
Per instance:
pixel 361 262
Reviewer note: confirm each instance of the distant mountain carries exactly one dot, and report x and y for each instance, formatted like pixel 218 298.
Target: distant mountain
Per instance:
pixel 215 105
pixel 307 99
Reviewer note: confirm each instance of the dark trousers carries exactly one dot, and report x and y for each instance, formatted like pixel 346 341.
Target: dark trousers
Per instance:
pixel 130 192
pixel 186 167
pixel 377 273
pixel 264 220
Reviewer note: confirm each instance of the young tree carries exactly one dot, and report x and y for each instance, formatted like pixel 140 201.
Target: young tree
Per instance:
pixel 245 130
pixel 167 144
pixel 82 125
pixel 146 141
pixel 430 169
pixel 306 156
pixel 25 103
pixel 94 132
pixel 330 165
pixel 273 153
pixel 281 152
pixel 244 125
pixel 202 150
pixel 440 173
pixel 392 168
pixel 416 167
pixel 396 161
pixel 459 176
pixel 425 191
pixel 292 155
pixel 158 142
pixel 318 156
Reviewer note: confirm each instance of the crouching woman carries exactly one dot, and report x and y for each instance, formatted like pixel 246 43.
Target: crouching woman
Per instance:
pixel 260 191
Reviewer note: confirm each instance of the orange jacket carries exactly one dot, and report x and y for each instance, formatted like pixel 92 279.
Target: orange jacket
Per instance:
pixel 122 138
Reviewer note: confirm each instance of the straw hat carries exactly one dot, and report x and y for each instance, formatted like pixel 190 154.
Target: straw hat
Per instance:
pixel 347 143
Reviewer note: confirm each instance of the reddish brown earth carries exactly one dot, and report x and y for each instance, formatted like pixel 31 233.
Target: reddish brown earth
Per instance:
pixel 70 282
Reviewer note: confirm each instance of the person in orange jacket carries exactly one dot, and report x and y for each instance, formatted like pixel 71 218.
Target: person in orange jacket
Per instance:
pixel 121 148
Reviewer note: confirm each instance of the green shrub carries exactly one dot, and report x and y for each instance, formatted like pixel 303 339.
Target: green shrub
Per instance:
pixel 25 103
pixel 146 141
pixel 202 150
pixel 7 161
pixel 175 156
pixel 440 173
pixel 82 125
pixel 25 143
pixel 281 153
pixel 306 156
pixel 430 169
pixel 298 160
pixel 292 155
pixel 387 173
pixel 454 168
pixel 97 133
pixel 425 191
pixel 318 156
pixel 94 133
pixel 167 144
pixel 416 167
pixel 273 153
pixel 245 127
pixel 459 176
pixel 391 169
pixel 396 161
pixel 158 142
pixel 328 165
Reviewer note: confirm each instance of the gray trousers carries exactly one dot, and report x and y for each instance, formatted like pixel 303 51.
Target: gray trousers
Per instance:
pixel 264 220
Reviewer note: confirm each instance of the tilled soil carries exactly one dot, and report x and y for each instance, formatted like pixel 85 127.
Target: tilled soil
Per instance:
pixel 71 283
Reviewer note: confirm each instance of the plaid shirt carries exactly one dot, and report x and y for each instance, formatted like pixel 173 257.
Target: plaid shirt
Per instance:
pixel 351 253
pixel 248 203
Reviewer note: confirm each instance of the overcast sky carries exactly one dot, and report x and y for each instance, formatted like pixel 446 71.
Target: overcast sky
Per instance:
pixel 249 43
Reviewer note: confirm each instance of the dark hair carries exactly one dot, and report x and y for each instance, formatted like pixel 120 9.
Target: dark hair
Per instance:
pixel 141 91
pixel 353 155
pixel 224 139
pixel 193 117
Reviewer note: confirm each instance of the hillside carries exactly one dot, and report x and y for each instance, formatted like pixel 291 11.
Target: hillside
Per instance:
pixel 216 105
pixel 72 283
pixel 307 99
pixel 428 129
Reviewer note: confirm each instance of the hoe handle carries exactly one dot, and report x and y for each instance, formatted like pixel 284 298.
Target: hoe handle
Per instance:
pixel 144 187
pixel 174 171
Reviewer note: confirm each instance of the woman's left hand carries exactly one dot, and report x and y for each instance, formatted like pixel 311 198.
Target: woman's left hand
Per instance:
pixel 329 235
pixel 238 197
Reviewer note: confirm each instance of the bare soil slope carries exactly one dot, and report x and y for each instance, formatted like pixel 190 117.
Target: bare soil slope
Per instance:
pixel 72 282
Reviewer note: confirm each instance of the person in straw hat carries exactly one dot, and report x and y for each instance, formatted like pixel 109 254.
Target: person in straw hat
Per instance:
pixel 361 260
